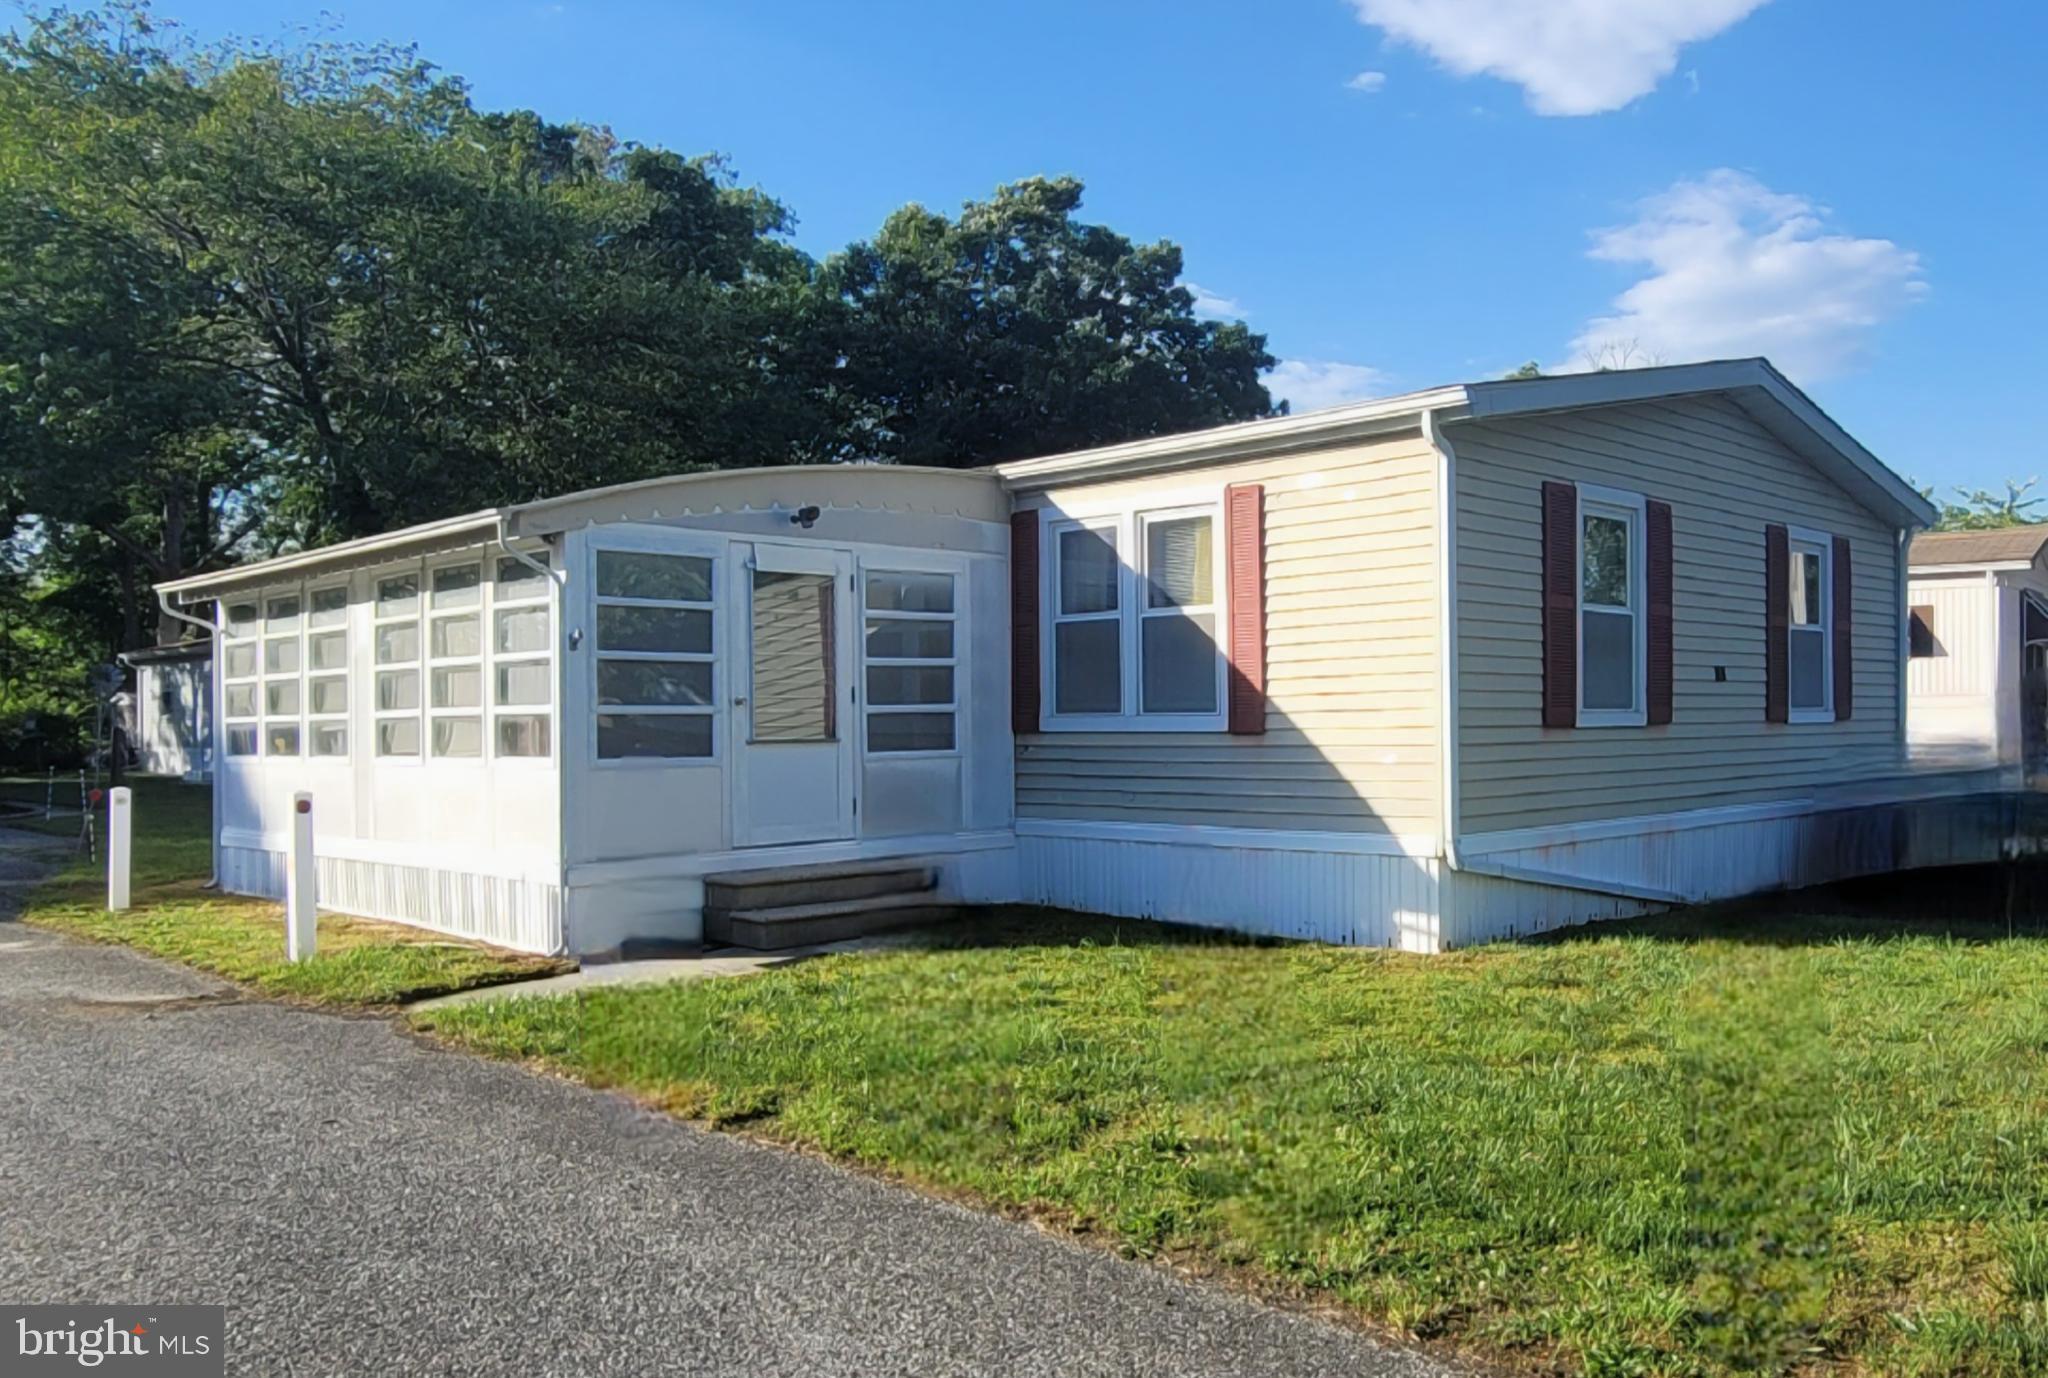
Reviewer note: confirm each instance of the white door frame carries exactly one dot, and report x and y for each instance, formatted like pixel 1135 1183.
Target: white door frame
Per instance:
pixel 805 558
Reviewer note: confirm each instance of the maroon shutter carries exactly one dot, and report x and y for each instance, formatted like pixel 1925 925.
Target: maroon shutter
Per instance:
pixel 1777 621
pixel 1560 605
pixel 1843 620
pixel 1024 621
pixel 1657 635
pixel 1244 520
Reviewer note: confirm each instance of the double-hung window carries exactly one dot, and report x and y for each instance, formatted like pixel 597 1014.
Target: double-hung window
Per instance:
pixel 241 654
pixel 1611 608
pixel 654 663
pixel 912 666
pixel 1135 610
pixel 1809 649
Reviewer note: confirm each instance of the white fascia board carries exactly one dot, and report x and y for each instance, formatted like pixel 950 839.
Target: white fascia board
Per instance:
pixel 1755 386
pixel 1226 444
pixel 357 552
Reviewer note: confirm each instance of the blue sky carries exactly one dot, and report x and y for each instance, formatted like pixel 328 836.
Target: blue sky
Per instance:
pixel 1401 192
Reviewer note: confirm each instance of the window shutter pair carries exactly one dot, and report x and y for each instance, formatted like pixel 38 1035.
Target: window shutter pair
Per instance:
pixel 1561 608
pixel 1244 535
pixel 1778 627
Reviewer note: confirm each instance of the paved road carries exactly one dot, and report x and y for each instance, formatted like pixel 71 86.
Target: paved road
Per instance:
pixel 364 1203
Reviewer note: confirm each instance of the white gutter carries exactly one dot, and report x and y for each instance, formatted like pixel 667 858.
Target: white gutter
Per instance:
pixel 1222 444
pixel 216 754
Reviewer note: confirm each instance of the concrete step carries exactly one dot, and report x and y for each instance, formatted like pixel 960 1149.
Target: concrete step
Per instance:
pixel 831 921
pixel 785 886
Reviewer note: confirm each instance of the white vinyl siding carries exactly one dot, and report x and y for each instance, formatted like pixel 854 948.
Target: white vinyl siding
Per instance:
pixel 1351 670
pixel 1726 480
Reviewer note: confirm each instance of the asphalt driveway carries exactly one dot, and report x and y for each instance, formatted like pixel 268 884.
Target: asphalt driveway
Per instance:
pixel 364 1203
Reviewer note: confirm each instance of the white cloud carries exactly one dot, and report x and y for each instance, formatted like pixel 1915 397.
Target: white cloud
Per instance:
pixel 1735 268
pixel 1570 57
pixel 1308 384
pixel 1370 82
pixel 1214 306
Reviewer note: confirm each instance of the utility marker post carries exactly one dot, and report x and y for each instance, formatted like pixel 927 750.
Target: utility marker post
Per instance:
pixel 120 824
pixel 298 883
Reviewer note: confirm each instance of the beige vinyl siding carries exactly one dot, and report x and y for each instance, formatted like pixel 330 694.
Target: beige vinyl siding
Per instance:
pixel 1726 479
pixel 1351 666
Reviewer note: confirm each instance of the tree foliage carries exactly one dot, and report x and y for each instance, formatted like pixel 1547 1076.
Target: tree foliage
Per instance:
pixel 257 297
pixel 1979 510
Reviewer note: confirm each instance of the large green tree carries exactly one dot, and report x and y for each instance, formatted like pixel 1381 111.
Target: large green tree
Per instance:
pixel 1017 329
pixel 313 294
pixel 256 297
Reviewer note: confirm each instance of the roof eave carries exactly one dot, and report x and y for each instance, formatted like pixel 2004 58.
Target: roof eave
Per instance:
pixel 1755 385
pixel 1225 444
pixel 368 549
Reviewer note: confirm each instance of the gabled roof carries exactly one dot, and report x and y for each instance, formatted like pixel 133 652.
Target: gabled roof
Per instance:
pixel 1752 384
pixel 2011 545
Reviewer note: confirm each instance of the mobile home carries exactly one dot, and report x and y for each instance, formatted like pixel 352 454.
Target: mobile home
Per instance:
pixel 1415 672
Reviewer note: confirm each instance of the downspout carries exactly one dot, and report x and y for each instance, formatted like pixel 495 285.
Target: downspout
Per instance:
pixel 215 748
pixel 559 579
pixel 1447 700
pixel 1447 637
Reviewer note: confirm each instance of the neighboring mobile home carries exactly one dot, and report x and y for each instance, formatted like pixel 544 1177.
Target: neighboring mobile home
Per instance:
pixel 1415 672
pixel 169 717
pixel 1978 672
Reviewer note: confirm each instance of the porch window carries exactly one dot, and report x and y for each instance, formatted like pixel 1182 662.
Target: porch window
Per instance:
pixel 455 684
pixel 239 688
pixel 395 633
pixel 655 624
pixel 522 666
pixel 911 654
pixel 327 666
pixel 1810 633
pixel 1136 601
pixel 282 659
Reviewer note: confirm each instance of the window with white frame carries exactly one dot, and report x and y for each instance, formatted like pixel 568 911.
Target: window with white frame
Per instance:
pixel 283 675
pixel 1177 647
pixel 327 671
pixel 1135 603
pixel 455 661
pixel 653 663
pixel 241 657
pixel 395 636
pixel 1809 651
pixel 910 642
pixel 522 664
pixel 1611 632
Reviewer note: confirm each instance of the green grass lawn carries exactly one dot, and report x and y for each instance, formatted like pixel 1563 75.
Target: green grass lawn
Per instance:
pixel 1807 1138
pixel 358 962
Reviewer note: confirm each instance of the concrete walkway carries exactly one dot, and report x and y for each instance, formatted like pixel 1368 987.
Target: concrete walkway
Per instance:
pixel 364 1202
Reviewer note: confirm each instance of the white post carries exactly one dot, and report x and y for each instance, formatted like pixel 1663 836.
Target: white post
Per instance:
pixel 298 883
pixel 119 823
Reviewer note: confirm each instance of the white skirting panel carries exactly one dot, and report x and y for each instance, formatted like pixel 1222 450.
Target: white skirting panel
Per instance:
pixel 522 914
pixel 1718 861
pixel 1358 899
pixel 1416 904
